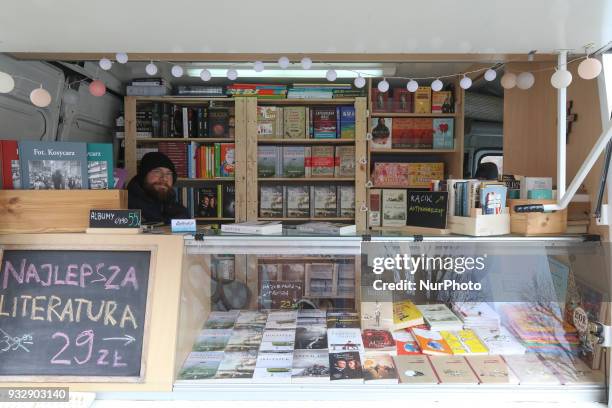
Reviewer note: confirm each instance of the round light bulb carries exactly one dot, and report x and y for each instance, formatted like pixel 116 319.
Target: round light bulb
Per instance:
pixel 359 82
pixel 121 57
pixel 258 66
pixel 40 97
pixel 331 75
pixel 465 82
pixel 151 68
pixel 590 68
pixel 383 86
pixel 412 85
pixel 307 63
pixel 508 80
pixel 205 75
pixel 97 88
pixel 177 71
pixel 283 62
pixel 7 83
pixel 70 97
pixel 436 85
pixel 232 74
pixel 105 64
pixel 561 78
pixel 525 80
pixel 490 75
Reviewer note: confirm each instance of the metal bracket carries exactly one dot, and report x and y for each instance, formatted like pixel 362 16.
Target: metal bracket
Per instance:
pixel 601 333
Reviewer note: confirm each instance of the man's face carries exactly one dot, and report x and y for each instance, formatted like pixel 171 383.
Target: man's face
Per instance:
pixel 341 364
pixel 158 182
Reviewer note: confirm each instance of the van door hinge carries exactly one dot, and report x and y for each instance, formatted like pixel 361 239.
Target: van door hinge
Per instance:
pixel 600 334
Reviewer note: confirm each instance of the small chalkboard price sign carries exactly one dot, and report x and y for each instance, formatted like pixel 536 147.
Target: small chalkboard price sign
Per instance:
pixel 281 294
pixel 73 313
pixel 427 209
pixel 114 219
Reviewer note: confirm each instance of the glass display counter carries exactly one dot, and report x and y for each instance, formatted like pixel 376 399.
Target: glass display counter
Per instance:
pixel 388 317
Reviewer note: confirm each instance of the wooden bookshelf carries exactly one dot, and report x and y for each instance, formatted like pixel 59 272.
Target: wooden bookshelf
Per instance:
pixel 415 151
pixel 305 102
pixel 305 179
pixel 411 115
pixel 201 140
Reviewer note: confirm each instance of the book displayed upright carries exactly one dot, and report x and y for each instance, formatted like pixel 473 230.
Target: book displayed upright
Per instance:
pixel 294 122
pixel 9 160
pixel 53 165
pixel 100 166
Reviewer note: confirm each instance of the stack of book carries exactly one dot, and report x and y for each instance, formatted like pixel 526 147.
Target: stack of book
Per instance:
pixel 317 201
pixel 262 91
pixel 148 87
pixel 303 122
pixel 477 315
pixel 200 90
pixel 305 161
pixel 323 91
pixel 465 196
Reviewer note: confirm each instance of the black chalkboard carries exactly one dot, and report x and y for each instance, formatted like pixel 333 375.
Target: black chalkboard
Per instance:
pixel 427 209
pixel 281 294
pixel 114 218
pixel 77 313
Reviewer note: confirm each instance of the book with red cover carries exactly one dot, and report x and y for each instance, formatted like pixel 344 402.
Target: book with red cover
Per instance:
pixel 380 101
pixel 403 100
pixel 177 152
pixel 416 133
pixel 324 121
pixel 378 340
pixel 9 157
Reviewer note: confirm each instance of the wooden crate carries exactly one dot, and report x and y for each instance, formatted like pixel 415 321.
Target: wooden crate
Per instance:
pixel 537 223
pixel 40 211
pixel 480 225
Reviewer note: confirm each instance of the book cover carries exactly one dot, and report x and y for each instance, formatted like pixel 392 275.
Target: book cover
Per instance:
pixel 406 314
pixel 228 201
pixel 342 320
pixel 394 208
pixel 492 370
pixel 244 340
pixel 530 370
pixel 267 122
pixel 345 161
pixel 208 202
pixel 324 201
pixel 403 100
pixel 298 201
pixel 218 122
pixel 453 370
pixel 221 320
pixel 100 166
pixel 376 340
pixel 346 196
pixel 277 341
pixel 226 160
pixel 345 339
pixel 324 122
pixel 11 172
pixel 415 370
pixel 237 365
pixel 443 136
pixel 294 122
pixel 391 174
pixel 201 365
pixel 310 366
pixel 322 161
pixel 345 366
pixel 416 133
pixel 431 342
pixel 573 371
pixel 271 201
pixel 282 320
pixel 422 100
pixel 420 175
pixel 381 133
pixel 375 207
pixel 380 101
pixel 379 369
pixel 273 367
pixel 439 317
pixel 311 337
pixel 535 183
pixel 442 102
pixel 212 340
pixel 251 320
pixel 347 122
pixel 267 157
pixel 493 199
pixel 405 343
pixel 294 161
pixel 53 165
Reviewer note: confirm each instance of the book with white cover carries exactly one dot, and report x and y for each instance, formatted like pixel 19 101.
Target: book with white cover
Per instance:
pixel 476 315
pixel 251 319
pixel 345 340
pixel 200 366
pixel 573 371
pixel 440 317
pixel 237 366
pixel 277 341
pixel 327 228
pixel 377 315
pixel 281 320
pixel 531 370
pixel 500 341
pixel 254 227
pixel 311 313
pixel 273 367
pixel 310 366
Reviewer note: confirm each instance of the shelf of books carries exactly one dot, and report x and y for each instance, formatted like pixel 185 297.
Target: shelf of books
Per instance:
pixel 204 137
pixel 306 161
pixel 413 138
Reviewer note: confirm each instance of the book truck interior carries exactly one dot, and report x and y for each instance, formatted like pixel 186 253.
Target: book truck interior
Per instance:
pixel 305 204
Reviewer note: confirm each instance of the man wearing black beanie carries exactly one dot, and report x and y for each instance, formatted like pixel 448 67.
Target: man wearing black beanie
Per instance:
pixel 151 190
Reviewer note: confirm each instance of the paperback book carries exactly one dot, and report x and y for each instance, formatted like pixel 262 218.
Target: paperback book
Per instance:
pixel 311 337
pixel 277 341
pixel 298 201
pixel 406 314
pixel 377 315
pixel 100 166
pixel 201 365
pixel 453 370
pixel 440 317
pixel 221 320
pixel 405 343
pixel 322 161
pixel 295 122
pixel 345 367
pixel 293 161
pixel 415 369
pixel 492 370
pixel 273 367
pixel 394 208
pixel 237 365
pixel 345 161
pixel 346 205
pixel 381 133
pixel 251 319
pixel 379 369
pixel 324 201
pixel 271 201
pixel 310 366
pixel 212 340
pixel 378 341
pixel 269 161
pixel 282 320
pixel 431 342
pixel 342 340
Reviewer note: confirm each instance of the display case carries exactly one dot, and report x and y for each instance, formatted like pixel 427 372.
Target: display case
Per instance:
pixel 386 317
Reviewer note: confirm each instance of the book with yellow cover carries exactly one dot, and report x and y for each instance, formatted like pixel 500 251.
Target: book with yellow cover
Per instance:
pixel 422 100
pixel 406 314
pixel 472 342
pixel 453 342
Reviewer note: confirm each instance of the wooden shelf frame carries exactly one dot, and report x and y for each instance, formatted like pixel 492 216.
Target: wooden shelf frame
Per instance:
pixel 411 115
pixel 305 142
pixel 202 140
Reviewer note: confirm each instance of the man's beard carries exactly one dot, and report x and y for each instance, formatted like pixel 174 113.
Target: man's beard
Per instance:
pixel 162 195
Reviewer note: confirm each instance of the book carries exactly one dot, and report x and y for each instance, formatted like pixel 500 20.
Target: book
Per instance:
pixel 310 366
pixel 403 100
pixel 342 320
pixel 374 210
pixel 431 342
pixel 324 203
pixel 464 342
pixel 453 370
pixel 442 102
pixel 513 183
pixel 422 100
pixel 221 320
pixel 378 341
pixel 298 202
pixel 100 166
pixel 381 133
pixel 254 227
pixel 267 122
pixel 228 201
pixel 10 166
pixel 492 370
pixel 346 201
pixel 476 315
pixel 345 367
pixel 212 340
pixel 324 122
pixel 440 317
pixel 380 101
pixel 282 320
pixel 208 202
pixel 244 340
pixel 573 371
pixel 493 199
pixel 237 365
pixel 345 161
pixel 443 136
pixel 310 337
pixel 415 370
pixel 394 208
pixel 344 339
pixel 271 201
pixel 219 122
pixel 500 341
pixel 293 161
pixel 273 367
pixel 201 365
pixel 327 228
pixel 322 161
pixel 391 174
pixel 53 165
pixel 268 158
pixel 415 133
pixel 531 370
pixel 294 122
pixel 377 315
pixel 379 369
pixel 251 319
pixel 277 341
pixel 347 122
pixel 535 183
pixel 406 314
pixel 225 158
pixel 405 343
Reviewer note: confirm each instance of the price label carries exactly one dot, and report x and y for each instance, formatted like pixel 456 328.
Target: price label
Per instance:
pixel 114 219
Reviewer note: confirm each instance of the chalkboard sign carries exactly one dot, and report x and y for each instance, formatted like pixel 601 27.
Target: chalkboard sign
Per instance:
pixel 114 219
pixel 73 313
pixel 427 209
pixel 281 294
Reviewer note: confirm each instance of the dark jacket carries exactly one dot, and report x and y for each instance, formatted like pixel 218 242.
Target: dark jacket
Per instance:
pixel 152 209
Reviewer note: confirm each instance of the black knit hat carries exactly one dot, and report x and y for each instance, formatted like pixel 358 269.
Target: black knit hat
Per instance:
pixel 153 160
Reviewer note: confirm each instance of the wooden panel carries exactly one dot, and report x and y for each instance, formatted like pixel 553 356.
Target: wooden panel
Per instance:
pixel 250 265
pixel 361 169
pixel 536 223
pixel 241 159
pixel 129 114
pixel 54 210
pixel 251 157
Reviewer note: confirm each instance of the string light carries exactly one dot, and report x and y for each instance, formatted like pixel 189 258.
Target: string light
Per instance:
pixel 177 71
pixel 525 80
pixel 97 88
pixel 383 86
pixel 205 75
pixel 283 62
pixel 40 97
pixel 562 78
pixel 508 80
pixel 590 68
pixel 258 66
pixel 490 75
pixel 465 82
pixel 105 64
pixel 7 83
pixel 331 75
pixel 306 63
pixel 436 85
pixel 151 68
pixel 232 74
pixel 121 57
pixel 412 85
pixel 359 81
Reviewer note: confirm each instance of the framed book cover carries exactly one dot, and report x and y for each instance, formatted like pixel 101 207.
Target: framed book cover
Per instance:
pixel 53 165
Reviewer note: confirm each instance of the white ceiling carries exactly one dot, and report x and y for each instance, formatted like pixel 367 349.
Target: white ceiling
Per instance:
pixel 307 26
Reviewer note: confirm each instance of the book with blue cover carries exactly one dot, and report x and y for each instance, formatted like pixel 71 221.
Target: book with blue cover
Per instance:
pixel 100 166
pixel 53 165
pixel 493 198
